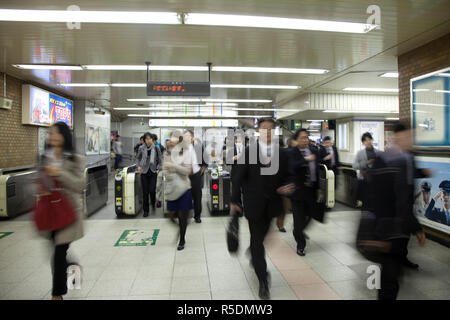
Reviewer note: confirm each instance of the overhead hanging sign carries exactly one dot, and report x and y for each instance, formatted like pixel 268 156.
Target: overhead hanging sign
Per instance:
pixel 167 88
pixel 40 107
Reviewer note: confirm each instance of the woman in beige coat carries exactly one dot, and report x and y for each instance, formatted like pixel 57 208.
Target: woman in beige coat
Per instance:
pixel 61 164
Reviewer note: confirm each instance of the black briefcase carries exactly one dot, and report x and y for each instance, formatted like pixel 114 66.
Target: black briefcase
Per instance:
pixel 233 233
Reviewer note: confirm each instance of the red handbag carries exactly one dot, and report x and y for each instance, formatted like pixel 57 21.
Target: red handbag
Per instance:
pixel 53 211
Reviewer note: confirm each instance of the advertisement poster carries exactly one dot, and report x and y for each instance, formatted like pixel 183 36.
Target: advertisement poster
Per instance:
pixel 430 98
pixel 373 129
pixel 92 139
pixel 432 195
pixel 104 141
pixel 41 107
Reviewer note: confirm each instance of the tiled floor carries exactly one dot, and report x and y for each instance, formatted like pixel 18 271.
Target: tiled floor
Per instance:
pixel 332 268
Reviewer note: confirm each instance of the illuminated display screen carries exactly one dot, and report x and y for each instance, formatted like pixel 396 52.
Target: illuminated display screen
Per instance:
pixel 40 107
pixel 158 88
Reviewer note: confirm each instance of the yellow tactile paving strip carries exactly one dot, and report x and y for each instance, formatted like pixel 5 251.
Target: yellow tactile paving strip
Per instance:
pixel 303 280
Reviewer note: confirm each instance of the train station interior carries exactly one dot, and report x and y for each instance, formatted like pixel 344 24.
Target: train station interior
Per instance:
pixel 113 71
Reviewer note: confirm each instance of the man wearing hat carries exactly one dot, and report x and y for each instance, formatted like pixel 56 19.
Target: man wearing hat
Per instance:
pixel 441 215
pixel 422 202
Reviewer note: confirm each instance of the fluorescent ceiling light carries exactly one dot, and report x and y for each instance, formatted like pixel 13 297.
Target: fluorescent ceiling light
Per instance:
pixel 89 16
pixel 146 109
pixel 270 70
pixel 275 23
pixel 84 84
pixel 47 67
pixel 442 91
pixel 315 120
pixel 193 116
pixel 255 86
pixel 262 109
pixel 429 104
pixel 129 85
pixel 392 118
pixel 200 100
pixel 359 111
pixel 421 90
pixel 144 67
pixel 237 100
pixel 444 74
pixel 390 75
pixel 371 89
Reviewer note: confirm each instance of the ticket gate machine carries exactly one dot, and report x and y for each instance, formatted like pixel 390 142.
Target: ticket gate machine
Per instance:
pixel 326 185
pixel 219 184
pixel 127 192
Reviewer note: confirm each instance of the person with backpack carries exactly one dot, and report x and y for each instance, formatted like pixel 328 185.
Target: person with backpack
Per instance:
pixel 59 212
pixel 149 163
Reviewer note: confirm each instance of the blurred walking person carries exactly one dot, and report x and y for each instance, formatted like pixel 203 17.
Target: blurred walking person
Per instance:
pixel 177 168
pixel 117 148
pixel 61 174
pixel 262 194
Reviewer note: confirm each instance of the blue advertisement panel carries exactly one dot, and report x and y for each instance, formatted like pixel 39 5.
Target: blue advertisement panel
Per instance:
pixel 432 195
pixel 40 107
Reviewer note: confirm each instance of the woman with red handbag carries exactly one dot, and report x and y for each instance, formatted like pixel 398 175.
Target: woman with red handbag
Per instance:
pixel 58 213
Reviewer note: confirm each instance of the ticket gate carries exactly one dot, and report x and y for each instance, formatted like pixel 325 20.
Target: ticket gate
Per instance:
pixel 326 185
pixel 96 195
pixel 127 192
pixel 16 194
pixel 219 184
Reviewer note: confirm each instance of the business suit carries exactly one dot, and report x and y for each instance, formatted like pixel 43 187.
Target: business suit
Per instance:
pixel 391 195
pixel 304 199
pixel 197 179
pixel 437 214
pixel 261 202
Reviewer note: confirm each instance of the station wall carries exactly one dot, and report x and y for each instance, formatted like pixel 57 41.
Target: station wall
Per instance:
pixel 430 57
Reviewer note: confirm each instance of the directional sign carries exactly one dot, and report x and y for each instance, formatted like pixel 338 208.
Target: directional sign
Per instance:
pixel 166 88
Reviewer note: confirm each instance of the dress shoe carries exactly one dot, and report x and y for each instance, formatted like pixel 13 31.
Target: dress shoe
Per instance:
pixel 198 220
pixel 282 229
pixel 180 247
pixel 264 292
pixel 145 214
pixel 301 251
pixel 410 264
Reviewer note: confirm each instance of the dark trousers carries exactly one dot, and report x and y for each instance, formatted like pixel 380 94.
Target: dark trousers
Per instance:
pixel 391 269
pixel 117 161
pixel 183 222
pixel 60 270
pixel 302 211
pixel 148 181
pixel 258 230
pixel 196 189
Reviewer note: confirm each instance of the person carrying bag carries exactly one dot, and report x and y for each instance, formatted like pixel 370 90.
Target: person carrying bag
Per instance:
pixel 59 210
pixel 177 167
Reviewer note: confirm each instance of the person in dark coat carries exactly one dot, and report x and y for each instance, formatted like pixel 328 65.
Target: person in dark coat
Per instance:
pixel 329 155
pixel 441 215
pixel 263 182
pixel 305 167
pixel 391 179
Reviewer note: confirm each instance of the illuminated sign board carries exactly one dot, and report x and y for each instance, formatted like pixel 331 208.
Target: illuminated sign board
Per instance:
pixel 43 108
pixel 165 88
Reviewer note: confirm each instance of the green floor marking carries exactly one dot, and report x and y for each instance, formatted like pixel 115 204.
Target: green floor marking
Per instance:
pixel 133 238
pixel 4 234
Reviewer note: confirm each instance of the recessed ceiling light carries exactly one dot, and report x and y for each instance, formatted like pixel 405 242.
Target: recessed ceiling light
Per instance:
pixel 371 89
pixel 47 67
pixel 389 75
pixel 269 70
pixel 255 86
pixel 84 84
pixel 275 23
pixel 89 16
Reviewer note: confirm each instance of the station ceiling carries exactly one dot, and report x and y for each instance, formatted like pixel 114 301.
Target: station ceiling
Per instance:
pixel 353 60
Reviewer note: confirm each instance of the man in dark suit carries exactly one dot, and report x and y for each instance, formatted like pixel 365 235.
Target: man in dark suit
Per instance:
pixel 305 167
pixel 441 215
pixel 391 195
pixel 329 155
pixel 263 175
